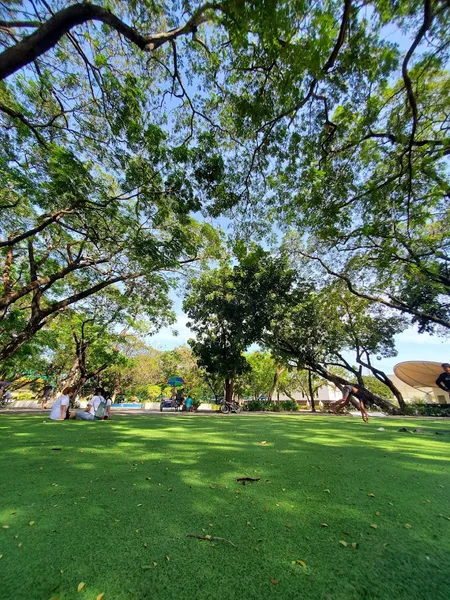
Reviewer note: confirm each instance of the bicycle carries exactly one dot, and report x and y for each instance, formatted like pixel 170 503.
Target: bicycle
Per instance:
pixel 230 407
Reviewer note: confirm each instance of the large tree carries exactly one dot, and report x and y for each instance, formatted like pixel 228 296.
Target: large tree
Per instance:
pixel 230 307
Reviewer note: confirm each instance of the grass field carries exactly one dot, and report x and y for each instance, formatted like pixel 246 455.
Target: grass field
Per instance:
pixel 112 508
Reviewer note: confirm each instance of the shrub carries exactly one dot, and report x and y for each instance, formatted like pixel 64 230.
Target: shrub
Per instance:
pixel 428 410
pixel 266 405
pixel 289 405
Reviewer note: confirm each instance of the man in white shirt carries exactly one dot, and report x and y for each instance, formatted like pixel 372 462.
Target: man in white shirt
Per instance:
pixel 61 404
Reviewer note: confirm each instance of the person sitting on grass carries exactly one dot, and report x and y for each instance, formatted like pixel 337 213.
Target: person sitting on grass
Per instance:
pixel 60 407
pixel 107 395
pixel 93 410
pixel 347 392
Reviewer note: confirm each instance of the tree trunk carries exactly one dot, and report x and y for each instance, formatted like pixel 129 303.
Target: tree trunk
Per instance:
pixel 276 377
pixel 363 393
pixel 311 391
pixel 228 390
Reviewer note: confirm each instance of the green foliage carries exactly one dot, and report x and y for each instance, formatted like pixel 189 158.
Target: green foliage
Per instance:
pixel 270 406
pixel 229 308
pixel 428 410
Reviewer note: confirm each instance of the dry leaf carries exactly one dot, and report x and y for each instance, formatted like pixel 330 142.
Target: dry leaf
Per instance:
pixel 167 557
pixel 407 526
pixel 169 489
pixel 327 491
pixel 274 581
pixel 355 545
pixel 81 586
pixel 31 523
pixel 138 504
pixel 323 525
pixel 343 543
pixel 1 555
pixel 301 562
pixel 374 526
pixel 100 596
pixel 371 495
pixel 263 442
pixel 5 526
pixel 154 563
pixel 20 545
pixel 114 489
pixel 145 545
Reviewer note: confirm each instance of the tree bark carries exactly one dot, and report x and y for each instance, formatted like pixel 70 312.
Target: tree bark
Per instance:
pixel 229 384
pixel 311 391
pixel 276 377
pixel 363 393
pixel 49 33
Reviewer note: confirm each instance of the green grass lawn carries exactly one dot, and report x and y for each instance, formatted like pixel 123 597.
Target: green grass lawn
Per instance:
pixel 113 507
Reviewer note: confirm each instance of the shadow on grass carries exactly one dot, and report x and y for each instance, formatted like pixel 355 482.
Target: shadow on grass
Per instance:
pixel 122 495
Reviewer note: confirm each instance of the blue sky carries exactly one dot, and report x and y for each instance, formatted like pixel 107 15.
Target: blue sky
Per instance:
pixel 410 344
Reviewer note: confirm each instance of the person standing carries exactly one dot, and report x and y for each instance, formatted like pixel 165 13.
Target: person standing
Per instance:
pixel 189 403
pixel 46 395
pixel 347 393
pixel 59 411
pixel 443 381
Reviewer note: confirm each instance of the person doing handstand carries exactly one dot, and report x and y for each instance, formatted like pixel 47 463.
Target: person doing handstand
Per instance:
pixel 347 393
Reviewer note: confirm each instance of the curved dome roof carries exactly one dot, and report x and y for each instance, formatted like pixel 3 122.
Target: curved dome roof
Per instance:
pixel 418 373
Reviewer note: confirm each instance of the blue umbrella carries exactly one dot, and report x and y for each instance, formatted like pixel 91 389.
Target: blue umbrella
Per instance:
pixel 175 381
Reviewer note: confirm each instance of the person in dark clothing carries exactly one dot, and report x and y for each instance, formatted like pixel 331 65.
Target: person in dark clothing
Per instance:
pixel 443 381
pixel 347 392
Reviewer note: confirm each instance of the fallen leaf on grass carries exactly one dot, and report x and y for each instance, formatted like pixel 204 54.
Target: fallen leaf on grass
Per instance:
pixel 31 523
pixel 323 525
pixel 274 581
pixel 374 526
pixel 5 526
pixel 407 526
pixel 145 545
pixel 154 563
pixel 167 557
pixel 1 555
pixel 371 495
pixel 138 505
pixel 343 543
pixel 327 491
pixel 148 478
pixel 262 443
pixel 81 586
pixel 100 596
pixel 114 489
pixel 301 562
pixel 20 545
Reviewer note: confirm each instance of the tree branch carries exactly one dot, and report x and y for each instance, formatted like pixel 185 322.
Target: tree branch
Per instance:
pixel 49 33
